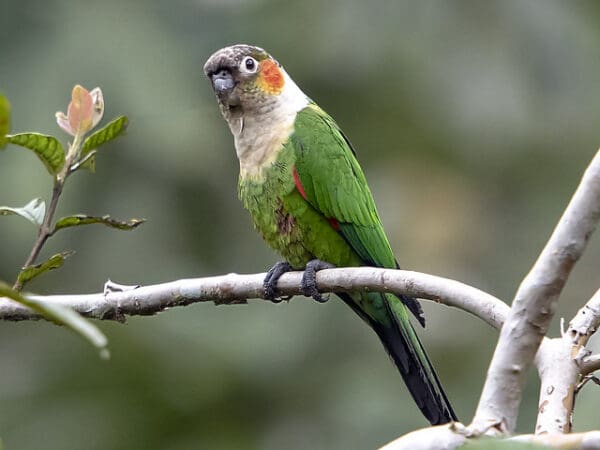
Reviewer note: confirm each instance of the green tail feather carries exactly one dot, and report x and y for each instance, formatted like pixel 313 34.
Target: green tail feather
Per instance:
pixel 405 349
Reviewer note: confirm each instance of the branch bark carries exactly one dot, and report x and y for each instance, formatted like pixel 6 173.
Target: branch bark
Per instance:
pixel 451 436
pixel 559 373
pixel 560 364
pixel 586 321
pixel 589 440
pixel 441 437
pixel 590 364
pixel 117 301
pixel 534 305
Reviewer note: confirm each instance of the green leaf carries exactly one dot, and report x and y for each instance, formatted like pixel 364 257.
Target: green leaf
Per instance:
pixel 33 211
pixel 61 315
pixel 110 131
pixel 81 219
pixel 47 148
pixel 4 120
pixel 54 262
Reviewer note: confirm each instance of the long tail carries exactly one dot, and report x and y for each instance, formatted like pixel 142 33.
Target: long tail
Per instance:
pixel 404 347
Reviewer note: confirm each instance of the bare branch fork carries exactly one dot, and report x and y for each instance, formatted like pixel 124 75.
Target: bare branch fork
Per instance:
pixel 561 362
pixel 534 306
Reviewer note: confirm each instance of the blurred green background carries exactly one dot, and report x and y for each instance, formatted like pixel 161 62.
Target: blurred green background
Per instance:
pixel 473 122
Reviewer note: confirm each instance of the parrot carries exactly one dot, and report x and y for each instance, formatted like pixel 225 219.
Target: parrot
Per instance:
pixel 308 197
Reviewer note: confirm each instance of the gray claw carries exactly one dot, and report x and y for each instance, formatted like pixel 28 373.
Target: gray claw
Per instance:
pixel 308 285
pixel 270 283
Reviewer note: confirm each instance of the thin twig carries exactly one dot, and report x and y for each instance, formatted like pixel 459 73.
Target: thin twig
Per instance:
pixel 46 229
pixel 586 321
pixel 590 364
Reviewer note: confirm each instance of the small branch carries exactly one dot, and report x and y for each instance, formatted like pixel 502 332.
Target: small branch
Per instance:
pixel 234 289
pixel 559 373
pixel 560 363
pixel 590 364
pixel 82 161
pixel 45 230
pixel 586 321
pixel 585 380
pixel 534 305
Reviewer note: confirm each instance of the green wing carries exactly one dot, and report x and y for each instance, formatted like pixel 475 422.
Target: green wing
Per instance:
pixel 334 184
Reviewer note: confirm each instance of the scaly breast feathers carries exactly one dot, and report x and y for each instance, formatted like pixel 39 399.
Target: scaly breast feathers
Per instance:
pixel 288 223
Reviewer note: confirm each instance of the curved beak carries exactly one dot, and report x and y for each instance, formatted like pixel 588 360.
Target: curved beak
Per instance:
pixel 222 82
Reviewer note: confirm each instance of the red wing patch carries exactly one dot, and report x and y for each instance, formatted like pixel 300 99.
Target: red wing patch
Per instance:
pixel 334 223
pixel 298 183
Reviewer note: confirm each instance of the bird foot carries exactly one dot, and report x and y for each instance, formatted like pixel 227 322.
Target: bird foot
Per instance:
pixel 270 282
pixel 308 285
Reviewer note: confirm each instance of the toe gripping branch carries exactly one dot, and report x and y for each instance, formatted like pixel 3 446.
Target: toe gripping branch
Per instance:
pixel 270 283
pixel 308 285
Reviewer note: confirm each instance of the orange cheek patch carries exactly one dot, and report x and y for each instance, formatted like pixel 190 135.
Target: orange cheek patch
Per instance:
pixel 271 78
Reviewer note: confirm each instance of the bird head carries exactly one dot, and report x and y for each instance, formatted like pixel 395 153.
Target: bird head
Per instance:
pixel 244 78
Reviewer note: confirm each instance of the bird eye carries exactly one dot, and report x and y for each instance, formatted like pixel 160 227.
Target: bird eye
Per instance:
pixel 249 64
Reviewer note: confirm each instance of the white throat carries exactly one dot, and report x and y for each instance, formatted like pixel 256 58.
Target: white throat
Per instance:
pixel 260 134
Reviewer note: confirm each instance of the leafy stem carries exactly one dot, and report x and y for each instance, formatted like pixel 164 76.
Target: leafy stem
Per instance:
pixel 84 112
pixel 46 229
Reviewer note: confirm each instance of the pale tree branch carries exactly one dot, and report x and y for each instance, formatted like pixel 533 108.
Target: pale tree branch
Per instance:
pixel 441 437
pixel 561 362
pixel 120 301
pixel 534 305
pixel 589 440
pixel 452 436
pixel 586 321
pixel 590 364
pixel 559 373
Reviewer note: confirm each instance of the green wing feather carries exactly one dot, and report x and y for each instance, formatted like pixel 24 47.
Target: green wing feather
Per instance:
pixel 335 185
